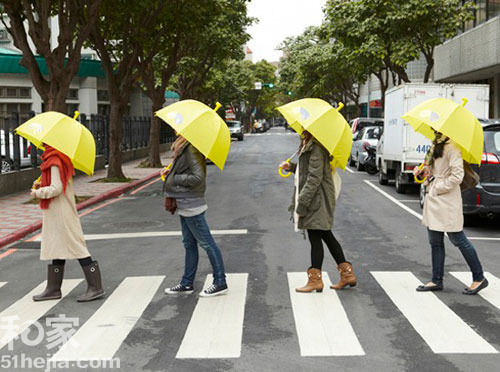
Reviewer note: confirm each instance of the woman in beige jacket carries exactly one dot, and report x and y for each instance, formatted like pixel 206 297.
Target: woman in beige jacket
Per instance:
pixel 443 212
pixel 62 235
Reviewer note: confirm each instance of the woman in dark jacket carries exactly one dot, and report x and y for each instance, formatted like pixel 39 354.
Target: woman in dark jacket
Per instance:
pixel 313 207
pixel 185 183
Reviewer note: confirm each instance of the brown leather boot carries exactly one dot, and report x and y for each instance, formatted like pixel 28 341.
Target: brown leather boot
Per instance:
pixel 314 282
pixel 55 276
pixel 347 276
pixel 93 277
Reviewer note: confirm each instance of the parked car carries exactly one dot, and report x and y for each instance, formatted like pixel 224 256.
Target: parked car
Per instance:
pixel 359 123
pixel 367 136
pixel 8 160
pixel 236 129
pixel 484 199
pixel 266 125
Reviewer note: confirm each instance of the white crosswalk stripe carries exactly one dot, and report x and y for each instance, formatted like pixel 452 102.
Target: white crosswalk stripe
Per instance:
pixel 216 326
pixel 442 329
pixel 25 312
pixel 101 336
pixel 490 293
pixel 323 328
pixel 2 284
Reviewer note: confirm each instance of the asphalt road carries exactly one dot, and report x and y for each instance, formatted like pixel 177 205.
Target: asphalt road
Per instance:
pixel 380 325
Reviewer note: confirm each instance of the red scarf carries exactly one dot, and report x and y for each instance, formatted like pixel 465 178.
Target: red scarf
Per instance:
pixel 51 157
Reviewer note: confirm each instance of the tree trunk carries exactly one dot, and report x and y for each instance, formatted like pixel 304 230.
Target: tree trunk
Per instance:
pixel 154 160
pixel 115 141
pixel 430 65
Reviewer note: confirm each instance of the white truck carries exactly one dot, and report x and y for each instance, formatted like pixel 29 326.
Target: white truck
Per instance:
pixel 401 148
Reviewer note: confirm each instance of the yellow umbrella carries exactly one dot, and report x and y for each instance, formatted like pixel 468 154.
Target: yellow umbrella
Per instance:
pixel 64 134
pixel 201 126
pixel 454 121
pixel 325 123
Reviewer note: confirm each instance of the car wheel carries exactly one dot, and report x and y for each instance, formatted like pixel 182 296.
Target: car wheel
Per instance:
pixel 7 165
pixel 359 166
pixel 382 177
pixel 351 162
pixel 240 138
pixel 400 188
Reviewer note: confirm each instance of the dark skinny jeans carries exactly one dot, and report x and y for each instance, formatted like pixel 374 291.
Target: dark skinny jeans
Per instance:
pixel 317 237
pixel 459 240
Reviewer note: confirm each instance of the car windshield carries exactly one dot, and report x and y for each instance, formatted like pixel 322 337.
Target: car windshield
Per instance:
pixel 233 124
pixel 492 140
pixel 372 133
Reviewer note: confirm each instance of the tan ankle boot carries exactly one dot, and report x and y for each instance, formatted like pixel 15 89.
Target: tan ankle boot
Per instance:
pixel 314 282
pixel 347 276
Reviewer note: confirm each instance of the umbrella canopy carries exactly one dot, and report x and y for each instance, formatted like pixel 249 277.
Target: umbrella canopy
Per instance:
pixel 64 134
pixel 325 123
pixel 454 121
pixel 201 126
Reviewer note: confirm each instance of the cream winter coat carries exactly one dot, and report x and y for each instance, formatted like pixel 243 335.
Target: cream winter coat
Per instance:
pixel 62 235
pixel 443 201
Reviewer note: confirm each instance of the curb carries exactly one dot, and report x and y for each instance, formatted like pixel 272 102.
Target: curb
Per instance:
pixel 22 232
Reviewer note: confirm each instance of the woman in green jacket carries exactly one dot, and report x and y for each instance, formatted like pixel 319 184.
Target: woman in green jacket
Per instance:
pixel 313 207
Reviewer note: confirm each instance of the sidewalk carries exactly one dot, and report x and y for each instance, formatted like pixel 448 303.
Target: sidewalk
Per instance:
pixel 16 215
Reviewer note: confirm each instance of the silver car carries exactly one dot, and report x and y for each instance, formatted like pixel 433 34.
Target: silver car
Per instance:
pixel 367 136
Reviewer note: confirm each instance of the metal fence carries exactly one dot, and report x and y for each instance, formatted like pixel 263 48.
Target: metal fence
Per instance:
pixel 16 152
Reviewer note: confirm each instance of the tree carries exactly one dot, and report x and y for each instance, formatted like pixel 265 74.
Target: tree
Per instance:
pixel 118 38
pixel 75 20
pixel 428 22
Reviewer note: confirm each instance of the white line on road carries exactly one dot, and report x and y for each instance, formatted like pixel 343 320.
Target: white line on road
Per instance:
pixel 409 201
pixel 25 311
pixel 349 170
pixel 153 234
pixel 490 293
pixel 442 329
pixel 484 239
pixel 216 326
pixel 2 284
pixel 394 200
pixel 323 328
pixel 101 336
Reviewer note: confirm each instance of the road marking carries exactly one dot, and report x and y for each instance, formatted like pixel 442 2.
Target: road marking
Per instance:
pixel 216 326
pixel 2 284
pixel 409 201
pixel 349 170
pixel 153 234
pixel 144 186
pixel 485 239
pixel 394 200
pixel 442 329
pixel 101 336
pixel 25 311
pixel 490 293
pixel 323 328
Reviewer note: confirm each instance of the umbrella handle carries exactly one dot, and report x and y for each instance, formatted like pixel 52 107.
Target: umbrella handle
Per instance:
pixel 77 113
pixel 464 101
pixel 418 180
pixel 282 174
pixel 218 105
pixel 168 167
pixel 340 106
pixel 38 180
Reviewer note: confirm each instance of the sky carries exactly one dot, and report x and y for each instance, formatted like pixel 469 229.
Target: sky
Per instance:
pixel 279 19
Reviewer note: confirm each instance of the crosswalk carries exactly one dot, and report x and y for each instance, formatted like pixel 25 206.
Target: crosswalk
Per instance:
pixel 216 326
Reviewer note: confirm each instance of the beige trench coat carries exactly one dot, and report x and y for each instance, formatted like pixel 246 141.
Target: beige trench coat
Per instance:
pixel 62 235
pixel 443 201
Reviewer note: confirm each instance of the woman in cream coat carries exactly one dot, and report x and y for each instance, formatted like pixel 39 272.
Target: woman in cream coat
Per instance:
pixel 443 213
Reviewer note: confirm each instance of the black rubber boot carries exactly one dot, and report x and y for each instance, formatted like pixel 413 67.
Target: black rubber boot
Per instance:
pixel 54 281
pixel 93 277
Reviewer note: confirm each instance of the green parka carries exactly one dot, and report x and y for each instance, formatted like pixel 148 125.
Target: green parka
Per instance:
pixel 316 202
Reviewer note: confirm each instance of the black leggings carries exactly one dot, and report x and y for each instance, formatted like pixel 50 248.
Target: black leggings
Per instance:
pixel 316 237
pixel 83 261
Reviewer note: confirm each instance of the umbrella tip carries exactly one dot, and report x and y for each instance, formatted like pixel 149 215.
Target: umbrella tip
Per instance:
pixel 77 113
pixel 218 105
pixel 464 101
pixel 340 105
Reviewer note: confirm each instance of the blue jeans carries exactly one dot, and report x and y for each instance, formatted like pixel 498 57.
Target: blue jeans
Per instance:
pixel 436 239
pixel 195 231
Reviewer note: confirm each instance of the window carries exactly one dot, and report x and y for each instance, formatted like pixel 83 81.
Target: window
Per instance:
pixel 103 109
pixel 102 95
pixel 481 14
pixel 11 92
pixel 73 94
pixel 15 92
pixel 4 36
pixel 25 92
